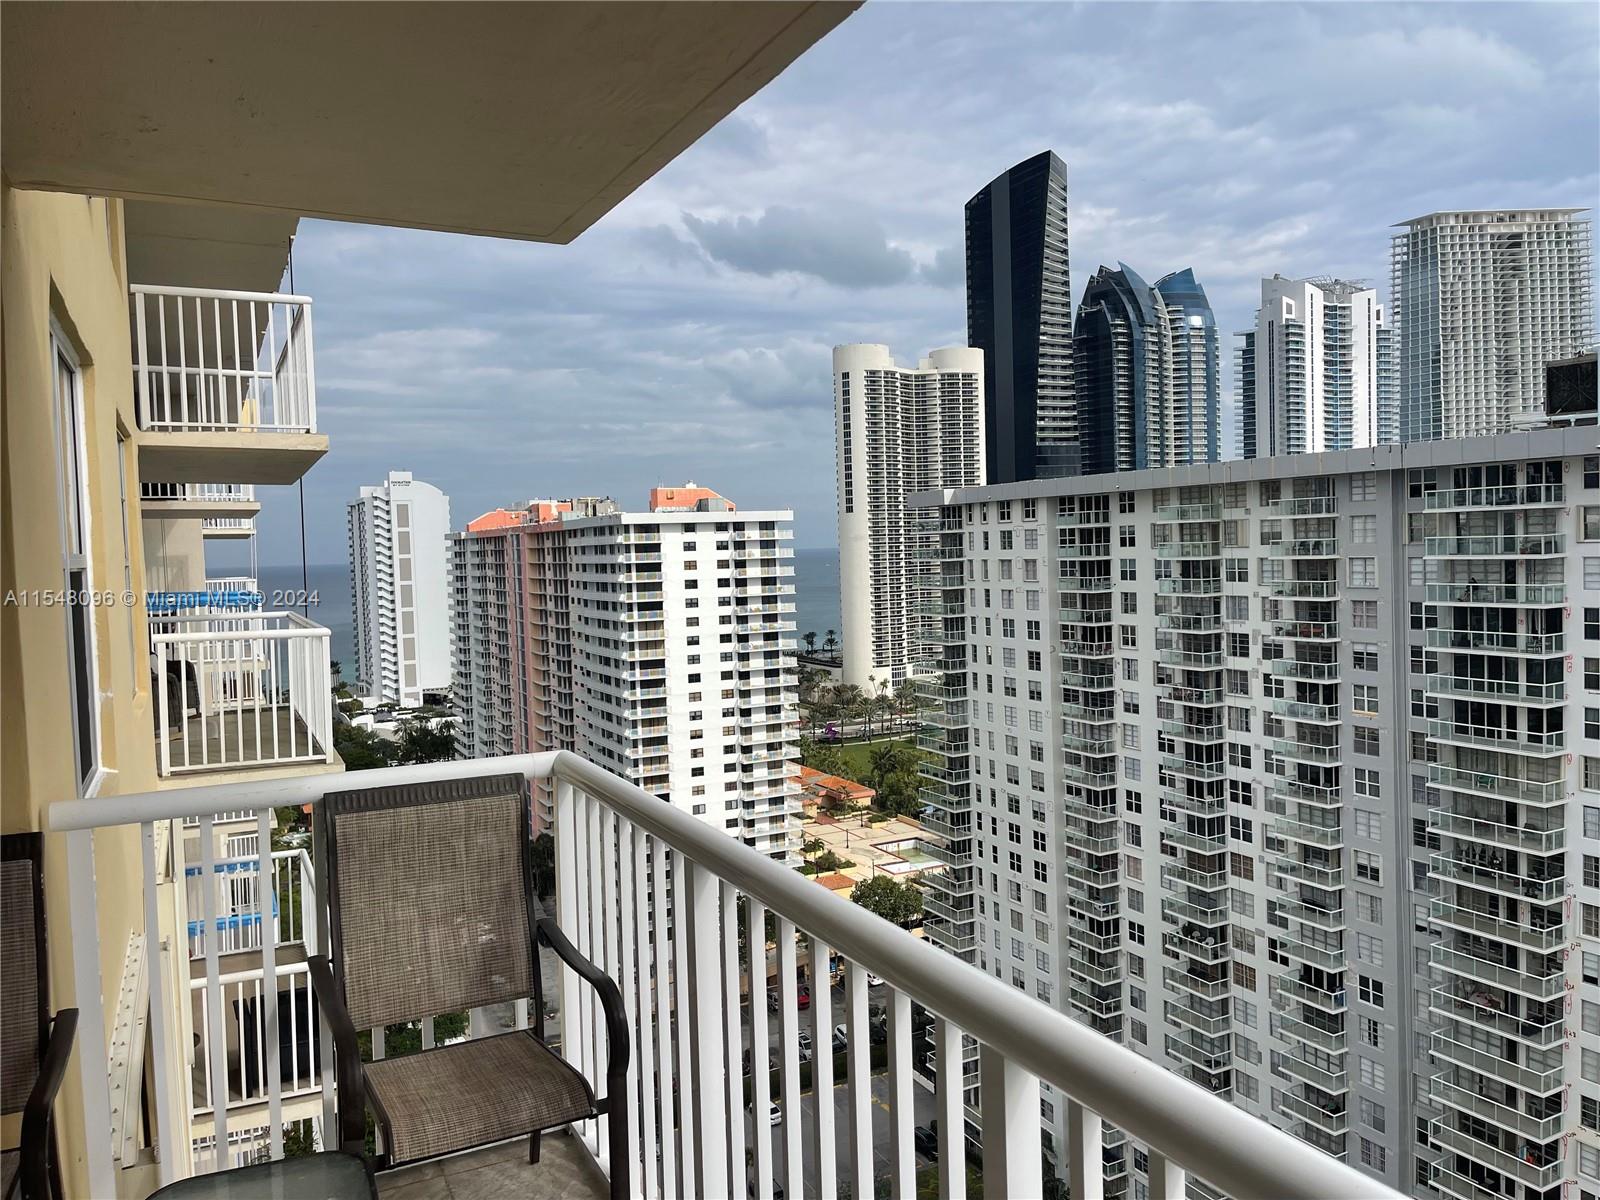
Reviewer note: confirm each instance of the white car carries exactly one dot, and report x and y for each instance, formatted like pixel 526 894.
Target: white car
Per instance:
pixel 874 980
pixel 774 1115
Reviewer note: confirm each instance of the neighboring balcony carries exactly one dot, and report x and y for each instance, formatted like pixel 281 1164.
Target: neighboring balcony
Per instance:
pixel 226 386
pixel 218 505
pixel 240 690
pixel 695 993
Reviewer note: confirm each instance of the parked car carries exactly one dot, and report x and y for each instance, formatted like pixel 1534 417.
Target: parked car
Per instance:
pixel 874 980
pixel 841 1039
pixel 926 1142
pixel 802 997
pixel 774 1114
pixel 804 1038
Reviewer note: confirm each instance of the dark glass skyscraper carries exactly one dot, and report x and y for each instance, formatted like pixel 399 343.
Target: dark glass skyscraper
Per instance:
pixel 1019 313
pixel 1147 382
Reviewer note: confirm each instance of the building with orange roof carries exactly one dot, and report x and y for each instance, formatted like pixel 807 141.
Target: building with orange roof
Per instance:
pixel 689 498
pixel 659 643
pixel 833 791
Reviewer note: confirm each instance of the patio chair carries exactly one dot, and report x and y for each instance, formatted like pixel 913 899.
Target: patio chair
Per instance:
pixel 431 910
pixel 33 1048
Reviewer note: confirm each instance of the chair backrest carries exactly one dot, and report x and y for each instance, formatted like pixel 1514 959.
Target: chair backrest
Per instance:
pixel 23 985
pixel 428 894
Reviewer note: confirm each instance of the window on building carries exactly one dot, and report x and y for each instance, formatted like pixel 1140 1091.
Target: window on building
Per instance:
pixel 1365 740
pixel 1363 572
pixel 73 500
pixel 1369 866
pixel 1364 529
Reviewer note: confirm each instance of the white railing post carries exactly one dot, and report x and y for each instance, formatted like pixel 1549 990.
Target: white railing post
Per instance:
pixel 902 1149
pixel 1012 1146
pixel 267 901
pixel 951 1113
pixel 709 1100
pixel 1167 1179
pixel 858 1090
pixel 93 1065
pixel 217 1043
pixel 1085 1153
pixel 167 1155
pixel 732 1032
pixel 760 1049
pixel 822 1070
pixel 307 361
pixel 789 1056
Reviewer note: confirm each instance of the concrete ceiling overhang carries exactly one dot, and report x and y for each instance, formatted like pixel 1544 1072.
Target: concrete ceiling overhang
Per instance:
pixel 204 246
pixel 520 120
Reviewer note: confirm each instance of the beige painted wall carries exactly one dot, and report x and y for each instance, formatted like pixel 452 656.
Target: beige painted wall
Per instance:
pixel 62 255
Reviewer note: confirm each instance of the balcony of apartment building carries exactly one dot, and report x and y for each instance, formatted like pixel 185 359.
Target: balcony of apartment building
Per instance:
pixel 238 1069
pixel 224 385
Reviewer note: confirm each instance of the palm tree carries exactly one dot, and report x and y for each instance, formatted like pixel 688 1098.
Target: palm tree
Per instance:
pixel 810 639
pixel 883 761
pixel 907 699
pixel 830 642
pixel 848 698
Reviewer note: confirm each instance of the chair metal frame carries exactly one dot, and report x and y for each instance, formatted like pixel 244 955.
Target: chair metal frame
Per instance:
pixel 39 1171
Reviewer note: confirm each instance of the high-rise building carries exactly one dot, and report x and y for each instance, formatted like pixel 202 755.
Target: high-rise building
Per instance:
pixel 1318 370
pixel 1482 301
pixel 1019 313
pixel 899 430
pixel 1281 776
pixel 1147 379
pixel 400 610
pixel 660 643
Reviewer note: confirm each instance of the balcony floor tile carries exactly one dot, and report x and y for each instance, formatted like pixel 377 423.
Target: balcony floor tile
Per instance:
pixel 501 1172
pixel 231 741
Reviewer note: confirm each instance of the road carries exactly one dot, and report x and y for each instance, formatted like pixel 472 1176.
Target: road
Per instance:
pixel 922 1106
pixel 922 1103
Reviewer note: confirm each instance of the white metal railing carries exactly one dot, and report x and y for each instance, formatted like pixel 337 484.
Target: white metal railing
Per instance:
pixel 227 525
pixel 219 361
pixel 621 853
pixel 250 689
pixel 210 493
pixel 245 909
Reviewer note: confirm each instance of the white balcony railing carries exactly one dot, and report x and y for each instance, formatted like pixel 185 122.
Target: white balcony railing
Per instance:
pixel 216 361
pixel 207 493
pixel 246 908
pixel 620 853
pixel 241 690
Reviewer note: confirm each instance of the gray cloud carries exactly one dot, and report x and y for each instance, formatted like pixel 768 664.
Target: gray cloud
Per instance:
pixel 847 249
pixel 948 268
pixel 662 345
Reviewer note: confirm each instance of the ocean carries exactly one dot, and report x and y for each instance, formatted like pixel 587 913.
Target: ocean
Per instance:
pixel 816 597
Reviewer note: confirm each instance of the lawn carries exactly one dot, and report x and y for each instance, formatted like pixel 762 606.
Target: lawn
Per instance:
pixel 857 755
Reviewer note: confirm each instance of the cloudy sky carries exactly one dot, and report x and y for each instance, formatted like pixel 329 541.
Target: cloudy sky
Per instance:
pixel 687 334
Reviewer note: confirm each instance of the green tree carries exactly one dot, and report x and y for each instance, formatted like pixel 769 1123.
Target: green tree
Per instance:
pixel 830 643
pixel 824 758
pixel 810 639
pixel 888 898
pixel 425 742
pixel 907 700
pixel 883 760
pixel 361 749
pixel 849 697
pixel 336 669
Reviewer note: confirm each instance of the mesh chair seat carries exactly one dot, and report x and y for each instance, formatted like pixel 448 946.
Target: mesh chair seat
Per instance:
pixel 473 1093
